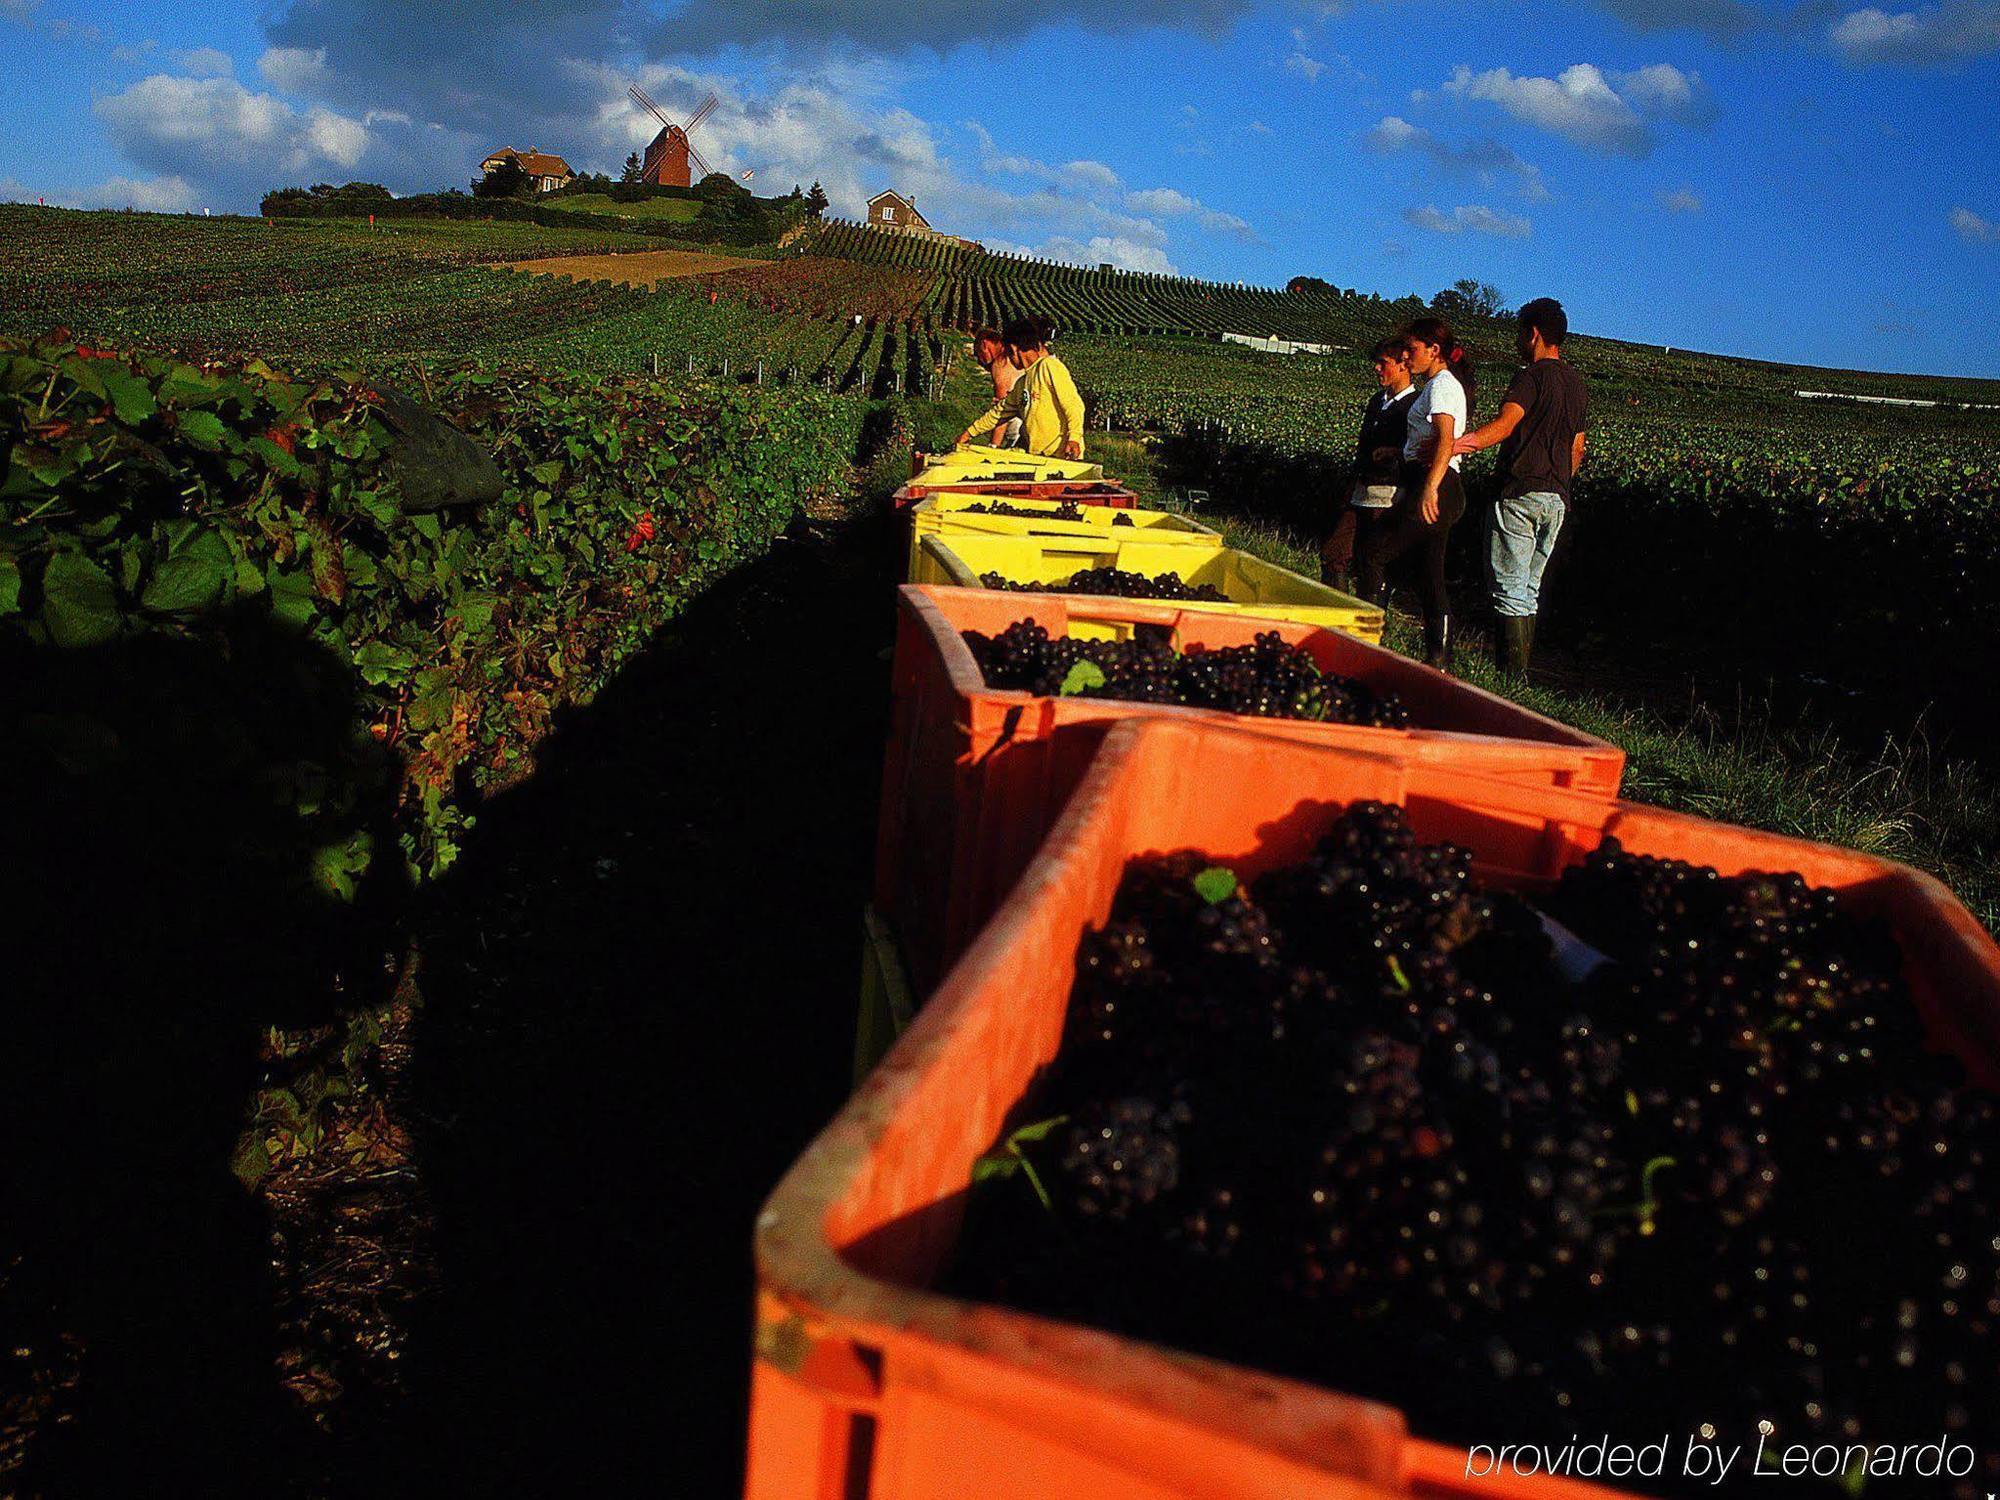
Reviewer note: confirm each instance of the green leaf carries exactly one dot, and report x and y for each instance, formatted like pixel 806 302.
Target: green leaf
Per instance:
pixel 79 605
pixel 382 665
pixel 251 1161
pixel 1082 678
pixel 275 457
pixel 185 584
pixel 547 473
pixel 292 597
pixel 1028 1135
pixel 1216 884
pixel 10 584
pixel 336 867
pixel 130 396
pixel 202 428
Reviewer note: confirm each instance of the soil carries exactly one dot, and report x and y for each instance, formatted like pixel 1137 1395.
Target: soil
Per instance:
pixel 634 267
pixel 640 990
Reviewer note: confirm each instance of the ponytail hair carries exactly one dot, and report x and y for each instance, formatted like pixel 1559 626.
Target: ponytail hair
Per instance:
pixel 1457 358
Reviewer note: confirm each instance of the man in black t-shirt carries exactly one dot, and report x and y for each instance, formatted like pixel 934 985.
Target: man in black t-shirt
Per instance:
pixel 1541 432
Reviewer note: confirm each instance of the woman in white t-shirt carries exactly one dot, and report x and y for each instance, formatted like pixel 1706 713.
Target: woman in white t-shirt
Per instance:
pixel 1430 497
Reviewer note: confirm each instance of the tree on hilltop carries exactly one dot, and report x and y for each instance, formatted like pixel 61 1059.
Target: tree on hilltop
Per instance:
pixel 633 168
pixel 816 201
pixel 1466 298
pixel 508 180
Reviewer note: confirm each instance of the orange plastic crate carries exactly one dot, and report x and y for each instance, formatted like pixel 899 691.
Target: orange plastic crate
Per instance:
pixel 974 776
pixel 864 1379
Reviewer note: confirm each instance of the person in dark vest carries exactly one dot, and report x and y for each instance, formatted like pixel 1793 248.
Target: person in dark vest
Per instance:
pixel 1430 497
pixel 1540 429
pixel 1372 488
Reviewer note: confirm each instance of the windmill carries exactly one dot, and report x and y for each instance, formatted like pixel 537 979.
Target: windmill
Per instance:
pixel 670 153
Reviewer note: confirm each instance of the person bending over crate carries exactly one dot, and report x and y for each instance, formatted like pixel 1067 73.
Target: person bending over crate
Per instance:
pixel 1045 399
pixel 991 352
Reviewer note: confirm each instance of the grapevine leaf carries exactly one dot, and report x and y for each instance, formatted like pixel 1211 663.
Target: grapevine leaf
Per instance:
pixel 130 396
pixel 1028 1135
pixel 382 665
pixel 79 604
pixel 185 584
pixel 10 584
pixel 1216 884
pixel 202 428
pixel 292 596
pixel 1082 678
pixel 251 1160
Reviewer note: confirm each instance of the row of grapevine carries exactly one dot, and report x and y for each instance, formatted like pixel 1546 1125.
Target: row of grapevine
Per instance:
pixel 975 287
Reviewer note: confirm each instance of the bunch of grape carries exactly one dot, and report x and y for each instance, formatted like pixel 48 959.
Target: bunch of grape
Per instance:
pixel 1117 583
pixel 1067 510
pixel 1267 679
pixel 1659 1144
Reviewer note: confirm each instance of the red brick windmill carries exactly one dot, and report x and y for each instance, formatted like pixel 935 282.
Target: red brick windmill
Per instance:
pixel 670 154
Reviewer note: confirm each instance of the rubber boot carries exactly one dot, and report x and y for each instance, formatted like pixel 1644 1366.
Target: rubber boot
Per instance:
pixel 1515 643
pixel 1438 643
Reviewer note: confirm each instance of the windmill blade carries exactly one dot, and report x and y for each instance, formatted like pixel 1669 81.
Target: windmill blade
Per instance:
pixel 707 108
pixel 639 94
pixel 695 157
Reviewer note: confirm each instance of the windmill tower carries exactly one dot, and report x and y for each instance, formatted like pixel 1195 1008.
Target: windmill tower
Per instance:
pixel 669 155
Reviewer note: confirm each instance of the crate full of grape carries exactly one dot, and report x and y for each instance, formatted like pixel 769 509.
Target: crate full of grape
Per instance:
pixel 1060 519
pixel 1105 492
pixel 999 700
pixel 1307 1122
pixel 999 463
pixel 1221 580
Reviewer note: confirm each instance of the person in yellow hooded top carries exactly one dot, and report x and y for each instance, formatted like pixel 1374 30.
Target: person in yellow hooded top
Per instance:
pixel 1045 396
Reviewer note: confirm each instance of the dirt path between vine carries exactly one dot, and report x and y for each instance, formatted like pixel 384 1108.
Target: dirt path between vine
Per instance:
pixel 639 996
pixel 634 267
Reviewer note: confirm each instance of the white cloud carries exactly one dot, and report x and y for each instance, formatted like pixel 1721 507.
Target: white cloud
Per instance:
pixel 1585 105
pixel 1486 159
pixel 148 195
pixel 1161 201
pixel 1308 68
pixel 1216 222
pixel 204 62
pixel 1955 31
pixel 19 11
pixel 1258 127
pixel 296 70
pixel 1474 217
pixel 1974 229
pixel 225 135
pixel 1127 255
pixel 1092 174
pixel 1680 201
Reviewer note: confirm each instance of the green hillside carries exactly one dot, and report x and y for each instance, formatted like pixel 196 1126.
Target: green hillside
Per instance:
pixel 663 210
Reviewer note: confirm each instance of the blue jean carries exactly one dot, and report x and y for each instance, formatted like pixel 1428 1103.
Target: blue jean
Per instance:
pixel 1520 535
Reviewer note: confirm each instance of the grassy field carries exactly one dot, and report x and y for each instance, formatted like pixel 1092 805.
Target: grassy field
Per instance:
pixel 660 210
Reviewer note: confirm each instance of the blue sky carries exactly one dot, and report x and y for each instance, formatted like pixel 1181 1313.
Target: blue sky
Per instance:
pixel 1818 181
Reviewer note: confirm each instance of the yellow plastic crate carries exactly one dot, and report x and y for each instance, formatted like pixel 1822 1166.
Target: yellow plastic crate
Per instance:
pixel 1253 586
pixel 952 515
pixel 1011 462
